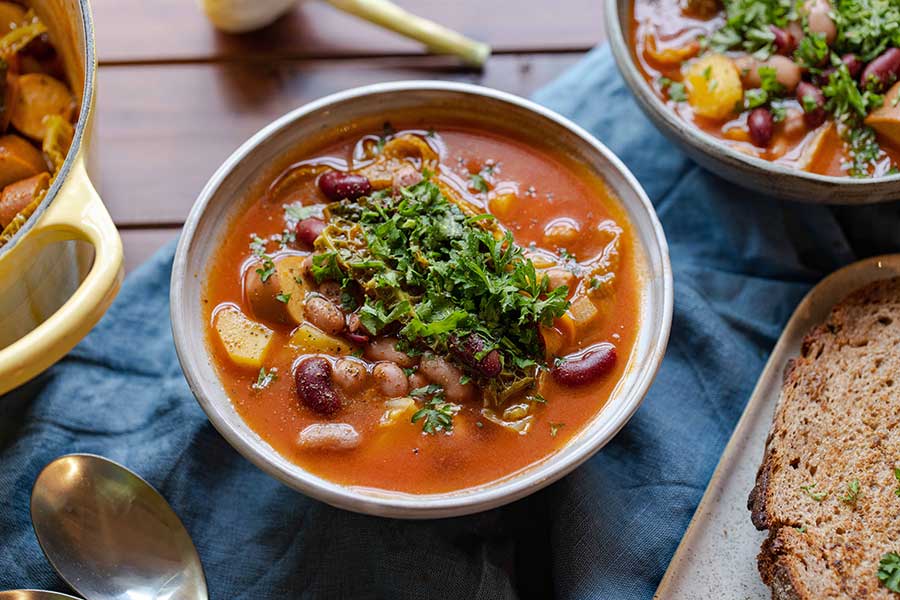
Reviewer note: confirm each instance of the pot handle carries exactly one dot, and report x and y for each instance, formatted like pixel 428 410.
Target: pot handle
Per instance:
pixel 77 213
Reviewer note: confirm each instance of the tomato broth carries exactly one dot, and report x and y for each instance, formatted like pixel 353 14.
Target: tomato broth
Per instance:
pixel 557 211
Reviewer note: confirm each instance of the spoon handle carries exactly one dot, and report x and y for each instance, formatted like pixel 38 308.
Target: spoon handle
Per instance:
pixel 436 37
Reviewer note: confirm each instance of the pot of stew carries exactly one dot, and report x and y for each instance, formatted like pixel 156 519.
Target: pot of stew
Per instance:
pixel 421 299
pixel 60 254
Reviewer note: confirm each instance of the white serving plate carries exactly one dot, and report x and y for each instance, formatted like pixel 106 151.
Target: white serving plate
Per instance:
pixel 717 555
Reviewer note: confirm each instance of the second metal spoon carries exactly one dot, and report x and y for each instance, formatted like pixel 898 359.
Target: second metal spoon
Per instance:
pixel 111 535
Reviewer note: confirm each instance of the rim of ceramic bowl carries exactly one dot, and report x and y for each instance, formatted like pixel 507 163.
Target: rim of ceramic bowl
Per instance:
pixel 84 116
pixel 706 143
pixel 593 436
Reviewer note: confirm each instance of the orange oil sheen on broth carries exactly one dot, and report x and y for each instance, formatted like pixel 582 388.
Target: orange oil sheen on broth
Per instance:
pixel 401 458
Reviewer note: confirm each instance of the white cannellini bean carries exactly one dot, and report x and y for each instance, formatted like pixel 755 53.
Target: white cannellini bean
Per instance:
pixel 329 436
pixel 446 375
pixel 350 374
pixel 384 349
pixel 391 379
pixel 322 313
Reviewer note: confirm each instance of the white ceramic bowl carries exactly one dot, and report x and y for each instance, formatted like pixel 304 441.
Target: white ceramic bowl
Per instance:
pixel 221 200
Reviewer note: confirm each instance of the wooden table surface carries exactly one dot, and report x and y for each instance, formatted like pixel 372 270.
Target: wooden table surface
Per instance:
pixel 176 97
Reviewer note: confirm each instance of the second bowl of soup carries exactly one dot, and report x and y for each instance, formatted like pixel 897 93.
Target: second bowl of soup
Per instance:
pixel 798 99
pixel 421 299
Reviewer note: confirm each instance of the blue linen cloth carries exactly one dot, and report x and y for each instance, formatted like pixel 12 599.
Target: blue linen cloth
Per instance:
pixel 741 262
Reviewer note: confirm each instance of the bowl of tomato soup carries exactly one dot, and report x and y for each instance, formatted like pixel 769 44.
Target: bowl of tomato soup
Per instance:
pixel 799 100
pixel 421 299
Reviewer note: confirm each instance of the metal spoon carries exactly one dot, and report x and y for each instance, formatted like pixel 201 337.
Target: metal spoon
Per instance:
pixel 34 595
pixel 110 535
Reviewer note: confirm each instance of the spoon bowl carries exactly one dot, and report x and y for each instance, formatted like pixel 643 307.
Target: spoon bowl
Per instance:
pixel 110 535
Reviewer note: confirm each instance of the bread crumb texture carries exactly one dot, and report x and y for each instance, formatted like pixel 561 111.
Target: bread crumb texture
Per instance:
pixel 836 423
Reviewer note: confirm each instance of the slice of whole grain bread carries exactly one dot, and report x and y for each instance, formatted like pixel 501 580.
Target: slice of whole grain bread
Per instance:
pixel 837 421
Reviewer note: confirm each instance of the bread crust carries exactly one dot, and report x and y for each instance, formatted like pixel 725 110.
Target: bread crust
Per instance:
pixel 820 548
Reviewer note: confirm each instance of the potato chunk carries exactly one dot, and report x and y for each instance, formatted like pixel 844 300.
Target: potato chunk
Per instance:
pixel 245 341
pixel 886 120
pixel 40 96
pixel 713 86
pixel 309 339
pixel 18 160
pixel 293 282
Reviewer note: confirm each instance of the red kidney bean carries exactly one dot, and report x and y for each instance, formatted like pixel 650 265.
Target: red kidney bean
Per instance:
pixel 337 185
pixel 784 41
pixel 467 350
pixel 587 368
pixel 854 65
pixel 883 70
pixel 760 125
pixel 816 116
pixel 308 230
pixel 313 380
pixel 356 333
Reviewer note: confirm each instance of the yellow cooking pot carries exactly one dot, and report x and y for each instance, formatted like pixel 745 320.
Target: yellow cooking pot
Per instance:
pixel 61 271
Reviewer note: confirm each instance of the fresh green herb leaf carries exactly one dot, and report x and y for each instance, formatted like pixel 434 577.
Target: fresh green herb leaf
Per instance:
pixel 801 528
pixel 265 378
pixel 897 477
pixel 812 50
pixel 267 269
pixel 852 492
pixel 257 245
pixel 675 89
pixel 325 267
pixel 282 297
pixel 889 571
pixel 755 98
pixel 437 415
pixel 478 183
pixel 768 78
pixel 817 496
pixel 555 427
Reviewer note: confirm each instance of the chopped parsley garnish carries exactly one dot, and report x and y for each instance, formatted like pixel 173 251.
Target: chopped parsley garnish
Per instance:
pixel 747 25
pixel 889 571
pixel 852 492
pixel 555 427
pixel 801 528
pixel 817 496
pixel 478 183
pixel 755 98
pixel 282 297
pixel 267 269
pixel 424 271
pixel 436 415
pixel 258 247
pixel 897 477
pixel 265 378
pixel 768 78
pixel 296 212
pixel 812 50
pixel 675 89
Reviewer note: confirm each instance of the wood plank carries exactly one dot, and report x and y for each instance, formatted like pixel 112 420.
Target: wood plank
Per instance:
pixel 163 130
pixel 141 244
pixel 176 30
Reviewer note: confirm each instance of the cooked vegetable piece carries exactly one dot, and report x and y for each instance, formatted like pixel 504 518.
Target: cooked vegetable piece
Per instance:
pixel 714 87
pixel 18 160
pixel 11 16
pixel 308 339
pixel 293 284
pixel 670 57
pixel 245 341
pixel 39 97
pixel 17 196
pixel 397 410
pixel 886 120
